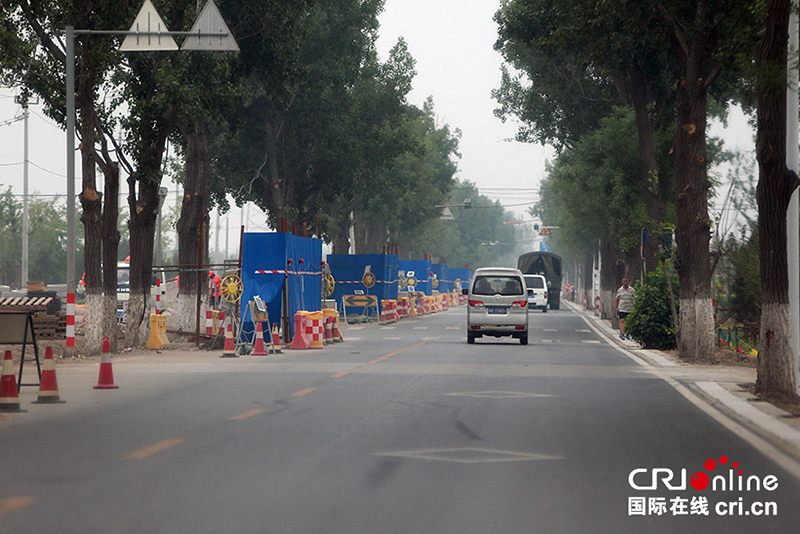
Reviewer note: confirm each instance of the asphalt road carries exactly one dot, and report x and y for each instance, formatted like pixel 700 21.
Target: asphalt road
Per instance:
pixel 401 429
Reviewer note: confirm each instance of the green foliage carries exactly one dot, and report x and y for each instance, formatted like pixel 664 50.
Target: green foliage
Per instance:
pixel 651 322
pixel 477 237
pixel 740 273
pixel 569 78
pixel 10 240
pixel 593 188
pixel 47 233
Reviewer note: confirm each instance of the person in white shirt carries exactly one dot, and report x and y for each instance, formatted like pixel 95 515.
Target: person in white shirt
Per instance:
pixel 624 305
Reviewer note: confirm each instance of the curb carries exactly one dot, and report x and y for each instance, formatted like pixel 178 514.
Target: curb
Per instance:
pixel 756 420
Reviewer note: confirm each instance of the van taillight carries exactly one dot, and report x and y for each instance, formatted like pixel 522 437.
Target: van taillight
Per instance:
pixel 475 303
pixel 520 303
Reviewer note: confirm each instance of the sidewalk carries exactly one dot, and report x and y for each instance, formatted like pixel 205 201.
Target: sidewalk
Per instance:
pixel 720 387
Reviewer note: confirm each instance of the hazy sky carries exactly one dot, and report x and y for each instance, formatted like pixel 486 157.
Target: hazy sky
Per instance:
pixel 452 43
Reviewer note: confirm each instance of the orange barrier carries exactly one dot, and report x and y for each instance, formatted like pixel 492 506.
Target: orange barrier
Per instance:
pixel 315 329
pixel 300 340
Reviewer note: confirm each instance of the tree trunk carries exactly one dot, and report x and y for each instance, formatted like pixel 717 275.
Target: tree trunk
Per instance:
pixel 776 378
pixel 194 217
pixel 142 233
pixel 110 251
pixel 649 187
pixel 588 279
pixel 611 259
pixel 692 232
pixel 91 204
pixel 276 187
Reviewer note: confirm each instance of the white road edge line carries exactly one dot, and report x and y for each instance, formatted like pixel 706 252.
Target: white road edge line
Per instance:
pixel 762 445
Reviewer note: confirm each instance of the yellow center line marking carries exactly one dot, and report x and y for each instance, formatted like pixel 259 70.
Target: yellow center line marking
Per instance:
pixel 302 392
pixel 462 322
pixel 245 415
pixel 153 449
pixel 340 375
pixel 15 502
pixel 387 356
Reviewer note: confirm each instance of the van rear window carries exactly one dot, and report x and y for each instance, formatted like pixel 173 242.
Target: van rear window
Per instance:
pixel 534 282
pixel 497 285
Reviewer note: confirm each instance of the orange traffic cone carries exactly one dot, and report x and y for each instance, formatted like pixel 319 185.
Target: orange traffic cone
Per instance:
pixel 48 387
pixel 229 350
pixel 9 394
pixel 258 347
pixel 276 341
pixel 106 378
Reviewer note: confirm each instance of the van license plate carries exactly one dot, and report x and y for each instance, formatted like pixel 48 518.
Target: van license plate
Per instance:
pixel 497 310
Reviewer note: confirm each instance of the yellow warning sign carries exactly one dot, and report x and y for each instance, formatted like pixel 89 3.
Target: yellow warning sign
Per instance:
pixel 545 231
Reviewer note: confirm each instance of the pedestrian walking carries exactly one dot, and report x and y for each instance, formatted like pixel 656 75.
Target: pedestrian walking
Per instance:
pixel 623 305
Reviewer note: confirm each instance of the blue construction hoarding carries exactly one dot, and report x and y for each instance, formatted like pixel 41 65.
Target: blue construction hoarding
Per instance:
pixel 421 276
pixel 268 261
pixel 460 277
pixel 440 280
pixel 349 270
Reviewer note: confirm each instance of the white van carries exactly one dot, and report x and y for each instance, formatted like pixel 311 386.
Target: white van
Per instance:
pixel 497 304
pixel 537 297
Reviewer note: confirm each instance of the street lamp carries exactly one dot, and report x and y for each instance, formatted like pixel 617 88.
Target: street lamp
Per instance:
pixel 208 33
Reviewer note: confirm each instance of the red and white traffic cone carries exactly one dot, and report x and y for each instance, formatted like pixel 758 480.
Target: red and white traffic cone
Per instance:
pixel 106 378
pixel 258 347
pixel 337 336
pixel 9 394
pixel 276 341
pixel 48 386
pixel 229 350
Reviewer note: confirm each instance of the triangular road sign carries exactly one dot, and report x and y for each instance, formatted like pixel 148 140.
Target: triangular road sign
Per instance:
pixel 545 231
pixel 210 21
pixel 447 215
pixel 148 22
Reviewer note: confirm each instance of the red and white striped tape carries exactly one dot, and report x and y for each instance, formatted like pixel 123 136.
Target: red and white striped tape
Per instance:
pixel 286 272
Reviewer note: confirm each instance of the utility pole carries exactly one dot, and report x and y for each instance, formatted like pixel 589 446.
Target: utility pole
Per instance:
pixel 25 218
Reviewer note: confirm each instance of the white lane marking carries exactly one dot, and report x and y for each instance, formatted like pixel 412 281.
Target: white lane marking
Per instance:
pixel 499 395
pixel 470 455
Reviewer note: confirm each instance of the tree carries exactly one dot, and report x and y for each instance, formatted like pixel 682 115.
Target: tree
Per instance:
pixel 577 79
pixel 592 194
pixel 41 69
pixel 10 243
pixel 776 374
pixel 401 195
pixel 707 36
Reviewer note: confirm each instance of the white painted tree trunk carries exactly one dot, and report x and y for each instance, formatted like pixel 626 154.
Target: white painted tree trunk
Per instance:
pixel 93 328
pixel 607 307
pixel 697 328
pixel 186 314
